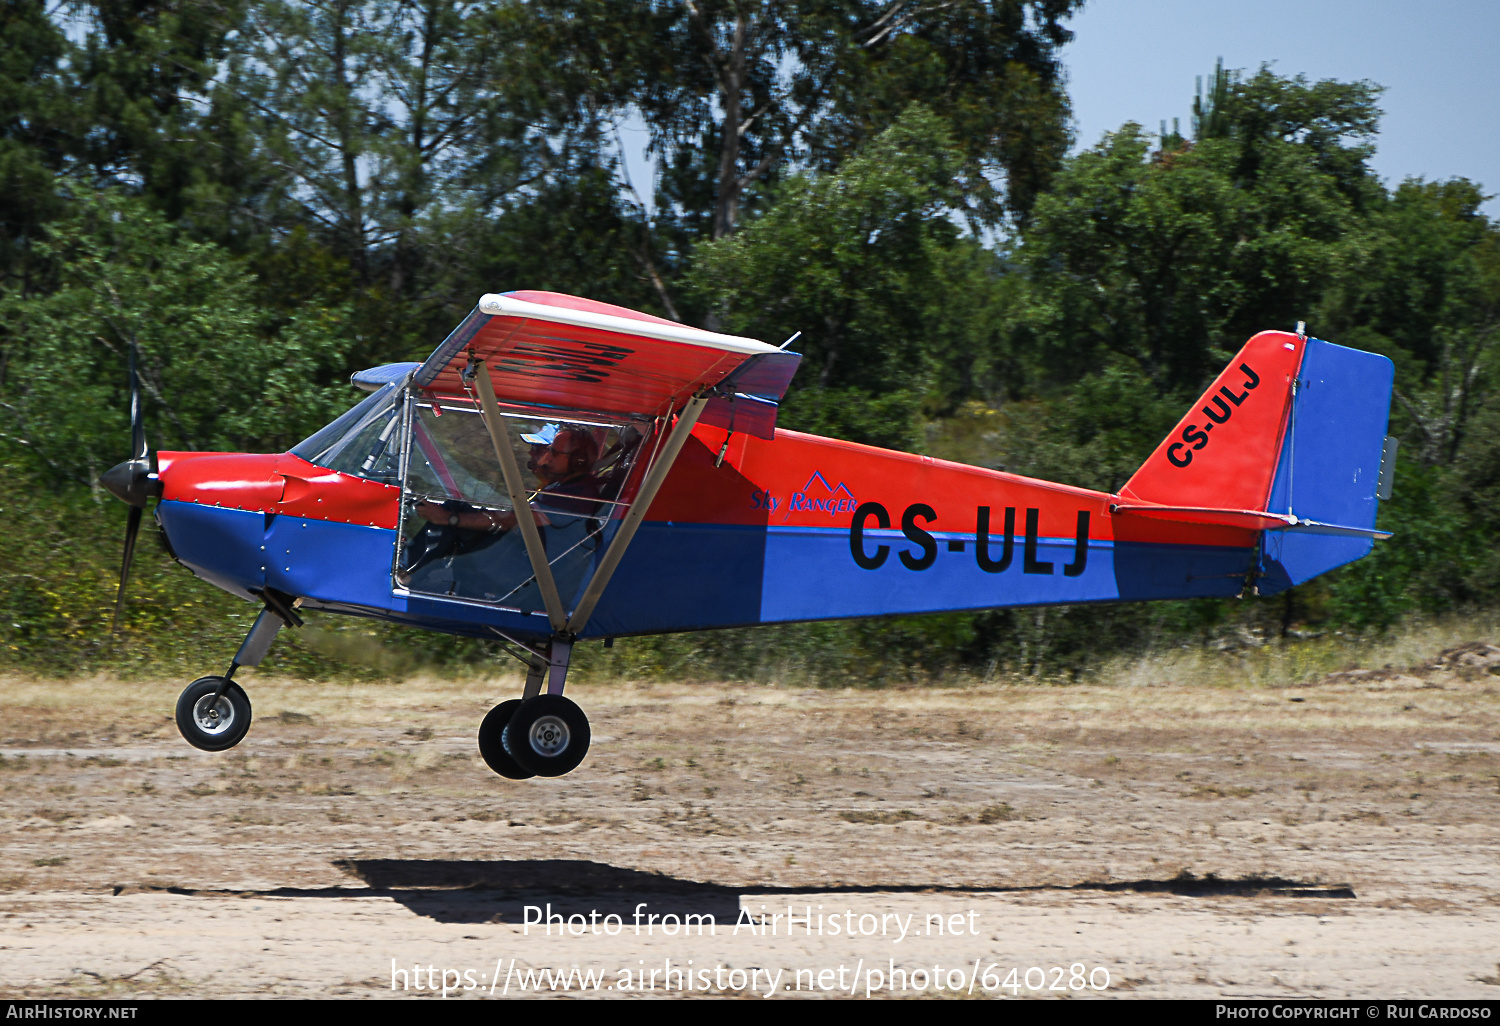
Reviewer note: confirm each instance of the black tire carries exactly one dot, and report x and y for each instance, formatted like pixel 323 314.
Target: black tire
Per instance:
pixel 548 735
pixel 492 749
pixel 209 727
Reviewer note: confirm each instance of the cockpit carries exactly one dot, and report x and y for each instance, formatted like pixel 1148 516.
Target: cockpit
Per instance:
pixel 457 539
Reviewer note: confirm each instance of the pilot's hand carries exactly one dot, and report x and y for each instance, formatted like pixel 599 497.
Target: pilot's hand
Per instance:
pixel 465 516
pixel 434 512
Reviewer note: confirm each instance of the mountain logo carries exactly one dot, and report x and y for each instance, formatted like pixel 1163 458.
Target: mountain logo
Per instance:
pixel 818 496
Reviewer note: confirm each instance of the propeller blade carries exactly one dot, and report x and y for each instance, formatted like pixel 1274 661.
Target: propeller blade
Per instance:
pixel 137 415
pixel 132 527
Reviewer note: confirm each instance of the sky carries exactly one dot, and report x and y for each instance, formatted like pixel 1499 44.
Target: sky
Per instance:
pixel 1138 60
pixel 1439 61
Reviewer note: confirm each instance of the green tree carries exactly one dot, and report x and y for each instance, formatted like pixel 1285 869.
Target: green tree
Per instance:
pixel 739 93
pixel 156 117
pixel 863 262
pixel 37 130
pixel 992 70
pixel 1170 261
pixel 213 376
pixel 1335 122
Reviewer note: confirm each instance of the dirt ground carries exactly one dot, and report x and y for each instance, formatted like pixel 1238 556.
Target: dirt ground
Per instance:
pixel 1327 840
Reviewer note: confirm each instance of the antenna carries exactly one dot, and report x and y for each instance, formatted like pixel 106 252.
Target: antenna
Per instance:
pixel 790 340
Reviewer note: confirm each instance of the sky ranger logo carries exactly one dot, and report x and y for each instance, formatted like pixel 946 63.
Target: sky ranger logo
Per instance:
pixel 825 498
pixel 838 498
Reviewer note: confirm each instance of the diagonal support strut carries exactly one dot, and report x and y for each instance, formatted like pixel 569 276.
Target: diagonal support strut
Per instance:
pixel 654 479
pixel 525 516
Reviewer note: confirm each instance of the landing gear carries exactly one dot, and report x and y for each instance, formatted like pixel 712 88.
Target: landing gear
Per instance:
pixel 213 714
pixel 548 734
pixel 537 735
pixel 491 747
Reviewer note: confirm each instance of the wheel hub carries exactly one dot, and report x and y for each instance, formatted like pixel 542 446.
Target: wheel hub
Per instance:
pixel 548 736
pixel 213 717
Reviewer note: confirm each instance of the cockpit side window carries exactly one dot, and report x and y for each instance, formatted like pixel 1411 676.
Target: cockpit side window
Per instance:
pixel 458 521
pixel 453 458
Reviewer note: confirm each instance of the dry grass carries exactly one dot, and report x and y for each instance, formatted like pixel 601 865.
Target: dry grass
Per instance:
pixel 1311 765
pixel 1297 661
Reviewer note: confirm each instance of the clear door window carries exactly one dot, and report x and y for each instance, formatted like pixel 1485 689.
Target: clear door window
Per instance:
pixel 459 536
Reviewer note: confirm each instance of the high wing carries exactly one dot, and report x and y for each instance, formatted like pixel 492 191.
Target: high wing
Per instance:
pixel 552 350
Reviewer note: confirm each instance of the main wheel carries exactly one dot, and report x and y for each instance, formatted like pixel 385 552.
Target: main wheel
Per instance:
pixel 213 725
pixel 548 735
pixel 492 749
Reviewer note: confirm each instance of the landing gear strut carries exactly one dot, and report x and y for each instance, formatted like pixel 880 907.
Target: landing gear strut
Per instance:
pixel 542 735
pixel 213 713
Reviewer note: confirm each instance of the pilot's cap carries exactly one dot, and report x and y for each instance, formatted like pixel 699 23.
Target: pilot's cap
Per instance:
pixel 542 437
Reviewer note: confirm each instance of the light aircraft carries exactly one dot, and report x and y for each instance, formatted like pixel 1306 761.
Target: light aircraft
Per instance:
pixel 561 471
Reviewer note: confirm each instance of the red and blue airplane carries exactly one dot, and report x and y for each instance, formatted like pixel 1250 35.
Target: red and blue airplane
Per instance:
pixel 662 497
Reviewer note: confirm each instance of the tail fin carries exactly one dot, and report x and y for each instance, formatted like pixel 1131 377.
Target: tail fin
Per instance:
pixel 1222 455
pixel 1289 439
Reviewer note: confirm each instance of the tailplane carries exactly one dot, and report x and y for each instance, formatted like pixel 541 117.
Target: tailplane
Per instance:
pixel 1290 440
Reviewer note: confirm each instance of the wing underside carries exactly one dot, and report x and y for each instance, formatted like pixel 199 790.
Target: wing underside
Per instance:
pixel 548 350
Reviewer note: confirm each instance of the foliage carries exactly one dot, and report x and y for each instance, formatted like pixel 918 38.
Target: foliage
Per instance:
pixel 35 125
pixel 1166 260
pixel 214 375
pixel 734 91
pixel 263 196
pixel 862 262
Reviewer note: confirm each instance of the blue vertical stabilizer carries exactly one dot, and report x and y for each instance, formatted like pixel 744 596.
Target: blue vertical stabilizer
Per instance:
pixel 1330 464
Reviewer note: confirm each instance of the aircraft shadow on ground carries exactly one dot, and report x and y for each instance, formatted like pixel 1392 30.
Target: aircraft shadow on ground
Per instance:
pixel 459 891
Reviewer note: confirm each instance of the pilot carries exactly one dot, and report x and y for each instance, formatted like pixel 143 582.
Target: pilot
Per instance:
pixel 491 568
pixel 563 461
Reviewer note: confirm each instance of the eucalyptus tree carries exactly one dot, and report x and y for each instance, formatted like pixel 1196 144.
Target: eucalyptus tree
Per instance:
pixel 371 108
pixel 736 92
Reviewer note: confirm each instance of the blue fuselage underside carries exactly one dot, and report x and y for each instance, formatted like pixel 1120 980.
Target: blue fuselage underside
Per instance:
pixel 680 577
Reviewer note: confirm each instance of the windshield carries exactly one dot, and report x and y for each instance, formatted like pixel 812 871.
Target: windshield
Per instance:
pixel 365 441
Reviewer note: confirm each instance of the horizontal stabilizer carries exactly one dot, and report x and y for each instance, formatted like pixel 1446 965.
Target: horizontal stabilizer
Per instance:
pixel 1254 519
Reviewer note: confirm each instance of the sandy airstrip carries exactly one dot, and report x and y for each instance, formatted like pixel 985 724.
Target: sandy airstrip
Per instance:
pixel 1337 838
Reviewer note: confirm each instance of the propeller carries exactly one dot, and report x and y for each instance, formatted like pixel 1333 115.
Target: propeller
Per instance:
pixel 132 482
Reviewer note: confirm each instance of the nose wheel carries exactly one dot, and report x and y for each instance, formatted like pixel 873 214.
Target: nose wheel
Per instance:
pixel 213 714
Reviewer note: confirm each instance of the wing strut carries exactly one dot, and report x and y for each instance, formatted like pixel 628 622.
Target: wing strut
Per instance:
pixel 636 514
pixel 525 517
